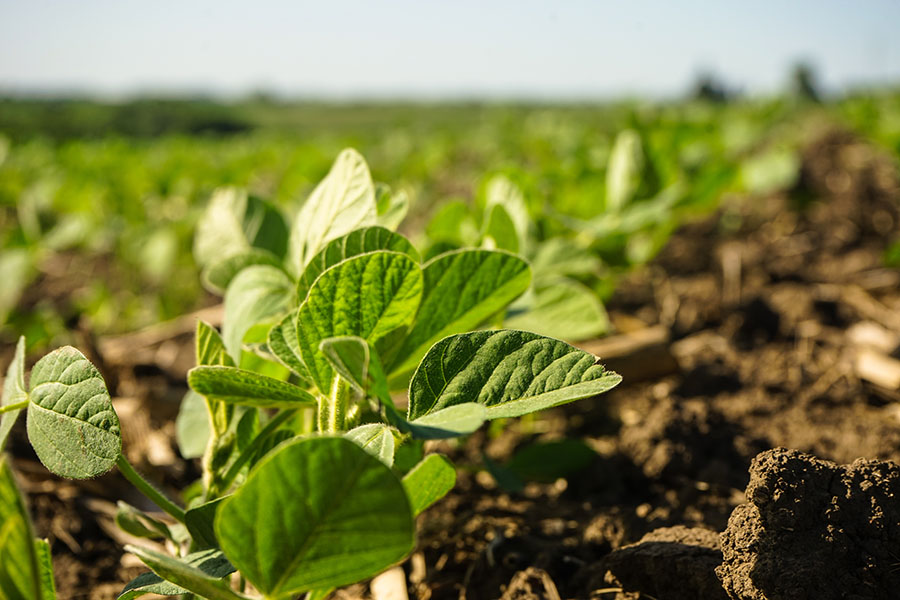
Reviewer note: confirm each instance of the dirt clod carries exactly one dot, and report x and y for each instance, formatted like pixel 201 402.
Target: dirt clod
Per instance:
pixel 670 563
pixel 814 530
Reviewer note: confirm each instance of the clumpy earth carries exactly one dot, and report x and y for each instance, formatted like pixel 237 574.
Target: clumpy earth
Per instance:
pixel 780 322
pixel 813 529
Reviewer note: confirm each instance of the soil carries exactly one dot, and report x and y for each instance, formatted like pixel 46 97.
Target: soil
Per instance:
pixel 772 306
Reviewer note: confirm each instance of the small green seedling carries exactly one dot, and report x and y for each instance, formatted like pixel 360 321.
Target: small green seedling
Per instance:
pixel 323 328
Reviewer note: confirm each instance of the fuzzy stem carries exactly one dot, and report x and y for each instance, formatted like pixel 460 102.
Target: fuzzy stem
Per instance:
pixel 148 490
pixel 333 408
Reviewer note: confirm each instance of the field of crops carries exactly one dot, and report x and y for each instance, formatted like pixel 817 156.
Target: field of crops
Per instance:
pixel 348 341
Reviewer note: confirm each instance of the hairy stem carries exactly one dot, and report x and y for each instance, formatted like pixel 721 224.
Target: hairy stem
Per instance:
pixel 333 408
pixel 148 490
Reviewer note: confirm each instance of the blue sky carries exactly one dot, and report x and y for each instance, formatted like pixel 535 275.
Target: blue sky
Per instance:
pixel 355 48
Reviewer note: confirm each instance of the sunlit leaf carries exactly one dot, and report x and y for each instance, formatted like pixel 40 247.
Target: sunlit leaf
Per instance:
pixel 342 202
pixel 71 421
pixel 354 519
pixel 511 373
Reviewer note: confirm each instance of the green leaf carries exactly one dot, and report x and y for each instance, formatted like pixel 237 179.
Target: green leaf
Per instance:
pixel 219 274
pixel 282 342
pixel 17 270
pixel 238 386
pixel 45 569
pixel 352 519
pixel 199 521
pixel 449 422
pixel 257 294
pixel 462 290
pixel 210 349
pixel 429 481
pixel 20 576
pixel 14 391
pixel 71 421
pixel 391 206
pixel 561 257
pixel 375 438
pixel 360 241
pixel 512 373
pixel 564 309
pixel 234 223
pixel 500 191
pixel 368 296
pixel 358 363
pixel 342 202
pixel 192 426
pixel 546 462
pixel 453 223
pixel 139 524
pixel 200 573
pixel 623 174
pixel 499 230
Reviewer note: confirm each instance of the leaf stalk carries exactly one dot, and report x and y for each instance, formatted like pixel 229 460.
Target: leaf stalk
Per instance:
pixel 148 490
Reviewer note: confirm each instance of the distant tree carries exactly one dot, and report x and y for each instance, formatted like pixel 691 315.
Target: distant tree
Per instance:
pixel 711 88
pixel 804 82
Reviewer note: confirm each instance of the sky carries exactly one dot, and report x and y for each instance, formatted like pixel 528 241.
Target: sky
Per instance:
pixel 428 49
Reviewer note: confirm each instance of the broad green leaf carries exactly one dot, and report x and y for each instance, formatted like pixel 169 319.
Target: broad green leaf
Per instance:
pixel 512 373
pixel 71 421
pixel 453 223
pixel 199 521
pixel 210 349
pixel 561 257
pixel 391 206
pixel 45 569
pixel 368 296
pixel 238 386
pixel 192 426
pixel 14 391
pixel 257 294
pixel 357 362
pixel 20 573
pixel 462 290
pixel 429 481
pixel 375 438
pixel 219 274
pixel 499 230
pixel 623 175
pixel 500 191
pixel 282 342
pixel 564 309
pixel 320 594
pixel 353 519
pixel 234 223
pixel 449 422
pixel 359 241
pixel 200 573
pixel 342 202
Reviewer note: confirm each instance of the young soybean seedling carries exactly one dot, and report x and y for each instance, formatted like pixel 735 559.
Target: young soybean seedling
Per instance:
pixel 299 492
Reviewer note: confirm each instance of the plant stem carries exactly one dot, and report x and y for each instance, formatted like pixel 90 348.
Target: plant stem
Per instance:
pixel 333 408
pixel 273 424
pixel 12 407
pixel 148 490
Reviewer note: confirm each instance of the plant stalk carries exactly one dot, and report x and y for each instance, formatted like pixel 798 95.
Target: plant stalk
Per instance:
pixel 148 490
pixel 12 407
pixel 333 408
